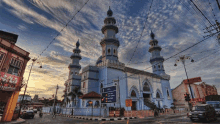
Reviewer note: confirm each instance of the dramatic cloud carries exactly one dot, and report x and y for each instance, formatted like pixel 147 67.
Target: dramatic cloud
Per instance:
pixel 175 23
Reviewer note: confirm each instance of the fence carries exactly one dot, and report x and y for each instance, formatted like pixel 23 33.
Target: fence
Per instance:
pixel 78 111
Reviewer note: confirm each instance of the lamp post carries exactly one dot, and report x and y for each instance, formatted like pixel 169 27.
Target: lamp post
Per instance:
pixel 183 59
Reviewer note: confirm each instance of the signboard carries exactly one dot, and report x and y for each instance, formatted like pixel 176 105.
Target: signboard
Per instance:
pixel 8 81
pixel 193 80
pixel 128 102
pixel 109 94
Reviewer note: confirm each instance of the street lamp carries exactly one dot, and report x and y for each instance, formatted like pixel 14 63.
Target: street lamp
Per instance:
pixel 26 85
pixel 183 59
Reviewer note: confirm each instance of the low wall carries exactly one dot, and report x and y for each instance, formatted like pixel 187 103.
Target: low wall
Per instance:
pixel 148 113
pixel 78 111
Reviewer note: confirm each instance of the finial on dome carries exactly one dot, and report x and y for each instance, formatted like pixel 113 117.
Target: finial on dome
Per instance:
pixel 109 12
pixel 77 44
pixel 152 35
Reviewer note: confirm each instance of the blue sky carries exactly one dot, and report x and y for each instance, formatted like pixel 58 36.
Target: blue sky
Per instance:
pixel 176 26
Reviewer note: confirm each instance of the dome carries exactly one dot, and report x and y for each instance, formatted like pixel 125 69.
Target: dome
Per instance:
pixel 99 60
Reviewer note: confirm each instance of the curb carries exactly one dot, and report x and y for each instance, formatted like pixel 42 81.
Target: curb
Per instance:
pixel 98 118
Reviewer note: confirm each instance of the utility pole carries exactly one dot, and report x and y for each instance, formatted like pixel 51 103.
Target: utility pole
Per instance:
pixel 26 87
pixel 183 59
pixel 55 100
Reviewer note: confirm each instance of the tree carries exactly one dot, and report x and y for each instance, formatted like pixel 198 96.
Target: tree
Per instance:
pixel 75 93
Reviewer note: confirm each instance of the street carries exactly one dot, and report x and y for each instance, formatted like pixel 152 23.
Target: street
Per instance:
pixel 158 120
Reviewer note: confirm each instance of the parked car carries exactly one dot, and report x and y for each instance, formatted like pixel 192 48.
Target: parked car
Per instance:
pixel 35 110
pixel 216 105
pixel 202 112
pixel 27 114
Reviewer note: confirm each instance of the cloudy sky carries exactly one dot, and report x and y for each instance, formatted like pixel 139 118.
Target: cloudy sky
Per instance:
pixel 176 24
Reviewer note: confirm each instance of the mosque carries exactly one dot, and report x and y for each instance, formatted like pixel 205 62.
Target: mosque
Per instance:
pixel 140 86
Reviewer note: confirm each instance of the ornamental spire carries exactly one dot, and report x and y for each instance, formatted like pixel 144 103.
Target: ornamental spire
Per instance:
pixel 77 44
pixel 152 35
pixel 109 12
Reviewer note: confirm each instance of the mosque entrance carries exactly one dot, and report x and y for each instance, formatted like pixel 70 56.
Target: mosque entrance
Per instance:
pixel 133 107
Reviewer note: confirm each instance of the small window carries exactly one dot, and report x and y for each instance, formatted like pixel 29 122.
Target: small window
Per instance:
pixel 168 93
pixel 158 66
pixel 14 67
pixel 109 51
pixel 154 66
pixel 157 95
pixel 1 56
pixel 84 84
pixel 133 94
pixel 114 51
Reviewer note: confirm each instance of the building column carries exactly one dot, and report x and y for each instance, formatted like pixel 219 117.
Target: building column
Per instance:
pixel 10 107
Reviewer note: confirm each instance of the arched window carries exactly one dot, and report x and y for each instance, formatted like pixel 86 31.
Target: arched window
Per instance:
pixel 96 103
pixel 84 84
pixel 114 52
pixel 168 93
pixel 88 104
pixel 158 66
pixel 146 87
pixel 109 51
pixel 157 95
pixel 133 94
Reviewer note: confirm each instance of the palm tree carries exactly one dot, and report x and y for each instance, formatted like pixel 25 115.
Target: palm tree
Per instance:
pixel 75 93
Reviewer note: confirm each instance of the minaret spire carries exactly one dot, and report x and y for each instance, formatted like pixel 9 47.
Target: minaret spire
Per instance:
pixel 74 79
pixel 77 44
pixel 156 60
pixel 152 35
pixel 109 43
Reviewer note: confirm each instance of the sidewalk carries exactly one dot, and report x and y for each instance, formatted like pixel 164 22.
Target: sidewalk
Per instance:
pixel 18 121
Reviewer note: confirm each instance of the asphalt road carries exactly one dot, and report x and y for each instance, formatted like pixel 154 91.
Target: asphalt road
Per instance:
pixel 47 119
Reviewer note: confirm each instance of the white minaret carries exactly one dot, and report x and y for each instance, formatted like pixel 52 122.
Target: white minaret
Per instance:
pixel 156 60
pixel 110 43
pixel 74 79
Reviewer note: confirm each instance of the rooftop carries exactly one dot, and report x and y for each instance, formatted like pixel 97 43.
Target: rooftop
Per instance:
pixel 91 95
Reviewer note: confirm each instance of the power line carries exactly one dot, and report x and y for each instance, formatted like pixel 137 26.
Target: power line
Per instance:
pixel 63 28
pixel 141 32
pixel 185 54
pixel 201 12
pixel 199 60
